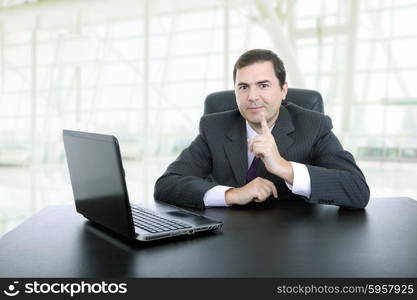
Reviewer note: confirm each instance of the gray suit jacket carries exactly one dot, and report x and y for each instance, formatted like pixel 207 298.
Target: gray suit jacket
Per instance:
pixel 218 156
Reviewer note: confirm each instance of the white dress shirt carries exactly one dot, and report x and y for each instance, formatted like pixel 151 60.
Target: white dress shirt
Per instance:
pixel 301 183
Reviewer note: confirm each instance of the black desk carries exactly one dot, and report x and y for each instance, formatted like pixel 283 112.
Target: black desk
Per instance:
pixel 273 239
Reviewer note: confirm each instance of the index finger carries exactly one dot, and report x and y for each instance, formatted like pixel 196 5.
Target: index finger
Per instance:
pixel 273 188
pixel 264 124
pixel 274 191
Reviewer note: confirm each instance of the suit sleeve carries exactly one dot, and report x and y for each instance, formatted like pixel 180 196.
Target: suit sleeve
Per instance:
pixel 335 177
pixel 185 180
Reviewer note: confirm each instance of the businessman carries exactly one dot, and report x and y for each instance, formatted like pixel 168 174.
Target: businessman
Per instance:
pixel 267 149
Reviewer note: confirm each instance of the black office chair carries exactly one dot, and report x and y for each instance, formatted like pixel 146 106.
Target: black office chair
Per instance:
pixel 226 100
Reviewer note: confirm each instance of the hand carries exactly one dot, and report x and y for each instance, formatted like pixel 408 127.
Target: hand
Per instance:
pixel 257 190
pixel 264 147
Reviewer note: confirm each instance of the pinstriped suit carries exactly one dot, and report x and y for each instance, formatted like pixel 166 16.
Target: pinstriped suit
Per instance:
pixel 218 156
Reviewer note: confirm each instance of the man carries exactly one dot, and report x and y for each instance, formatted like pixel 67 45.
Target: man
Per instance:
pixel 264 149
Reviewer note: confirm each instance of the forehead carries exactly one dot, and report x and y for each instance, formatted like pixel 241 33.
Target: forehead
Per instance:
pixel 256 72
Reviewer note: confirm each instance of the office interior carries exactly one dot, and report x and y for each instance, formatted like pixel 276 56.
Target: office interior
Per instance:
pixel 141 69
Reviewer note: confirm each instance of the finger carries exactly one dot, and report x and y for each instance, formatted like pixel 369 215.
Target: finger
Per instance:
pixel 257 141
pixel 272 190
pixel 250 145
pixel 264 124
pixel 255 145
pixel 259 155
pixel 258 150
pixel 266 192
pixel 260 194
pixel 260 198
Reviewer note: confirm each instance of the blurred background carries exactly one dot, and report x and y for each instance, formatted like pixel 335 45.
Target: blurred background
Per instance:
pixel 140 70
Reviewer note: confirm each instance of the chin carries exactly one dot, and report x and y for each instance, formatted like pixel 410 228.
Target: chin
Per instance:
pixel 254 121
pixel 254 118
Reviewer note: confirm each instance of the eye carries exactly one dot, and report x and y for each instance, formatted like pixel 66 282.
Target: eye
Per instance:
pixel 243 87
pixel 263 85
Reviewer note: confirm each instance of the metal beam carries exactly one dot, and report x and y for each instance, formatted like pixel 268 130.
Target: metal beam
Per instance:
pixel 146 110
pixel 348 94
pixel 2 65
pixel 33 86
pixel 78 74
pixel 270 21
pixel 226 44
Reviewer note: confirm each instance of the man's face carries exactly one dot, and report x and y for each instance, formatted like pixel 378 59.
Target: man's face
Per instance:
pixel 258 90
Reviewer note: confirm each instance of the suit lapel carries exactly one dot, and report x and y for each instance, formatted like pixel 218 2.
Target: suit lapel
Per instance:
pixel 236 148
pixel 283 127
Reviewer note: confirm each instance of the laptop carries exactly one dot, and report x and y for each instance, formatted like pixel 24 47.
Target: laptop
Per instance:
pixel 100 193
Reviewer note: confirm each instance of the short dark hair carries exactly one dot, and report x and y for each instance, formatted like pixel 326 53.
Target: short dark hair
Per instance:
pixel 259 55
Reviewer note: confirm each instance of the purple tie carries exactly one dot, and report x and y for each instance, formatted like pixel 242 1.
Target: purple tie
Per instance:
pixel 251 174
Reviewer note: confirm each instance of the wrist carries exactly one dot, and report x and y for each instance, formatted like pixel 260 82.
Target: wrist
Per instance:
pixel 288 172
pixel 229 196
pixel 285 171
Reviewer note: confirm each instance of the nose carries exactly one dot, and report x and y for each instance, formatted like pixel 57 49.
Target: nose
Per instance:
pixel 253 94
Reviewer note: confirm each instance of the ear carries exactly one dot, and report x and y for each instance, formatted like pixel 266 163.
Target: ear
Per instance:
pixel 284 90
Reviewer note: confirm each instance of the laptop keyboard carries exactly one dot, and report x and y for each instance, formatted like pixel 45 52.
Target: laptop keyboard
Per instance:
pixel 152 222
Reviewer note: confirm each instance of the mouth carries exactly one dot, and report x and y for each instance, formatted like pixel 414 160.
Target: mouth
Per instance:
pixel 255 108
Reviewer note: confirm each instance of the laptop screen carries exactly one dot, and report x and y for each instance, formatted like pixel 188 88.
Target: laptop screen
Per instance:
pixel 97 179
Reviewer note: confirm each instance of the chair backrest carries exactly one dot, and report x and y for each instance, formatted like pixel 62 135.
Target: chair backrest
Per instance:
pixel 226 100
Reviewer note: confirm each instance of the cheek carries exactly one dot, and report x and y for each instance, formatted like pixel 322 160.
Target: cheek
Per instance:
pixel 272 106
pixel 241 106
pixel 267 102
pixel 241 102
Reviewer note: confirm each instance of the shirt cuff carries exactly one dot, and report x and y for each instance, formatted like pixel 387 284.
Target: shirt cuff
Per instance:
pixel 216 196
pixel 301 184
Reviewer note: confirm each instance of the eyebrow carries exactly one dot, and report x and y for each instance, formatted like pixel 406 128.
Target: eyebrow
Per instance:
pixel 259 82
pixel 263 81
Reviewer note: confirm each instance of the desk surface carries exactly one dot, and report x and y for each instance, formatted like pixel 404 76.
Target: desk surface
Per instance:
pixel 272 239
